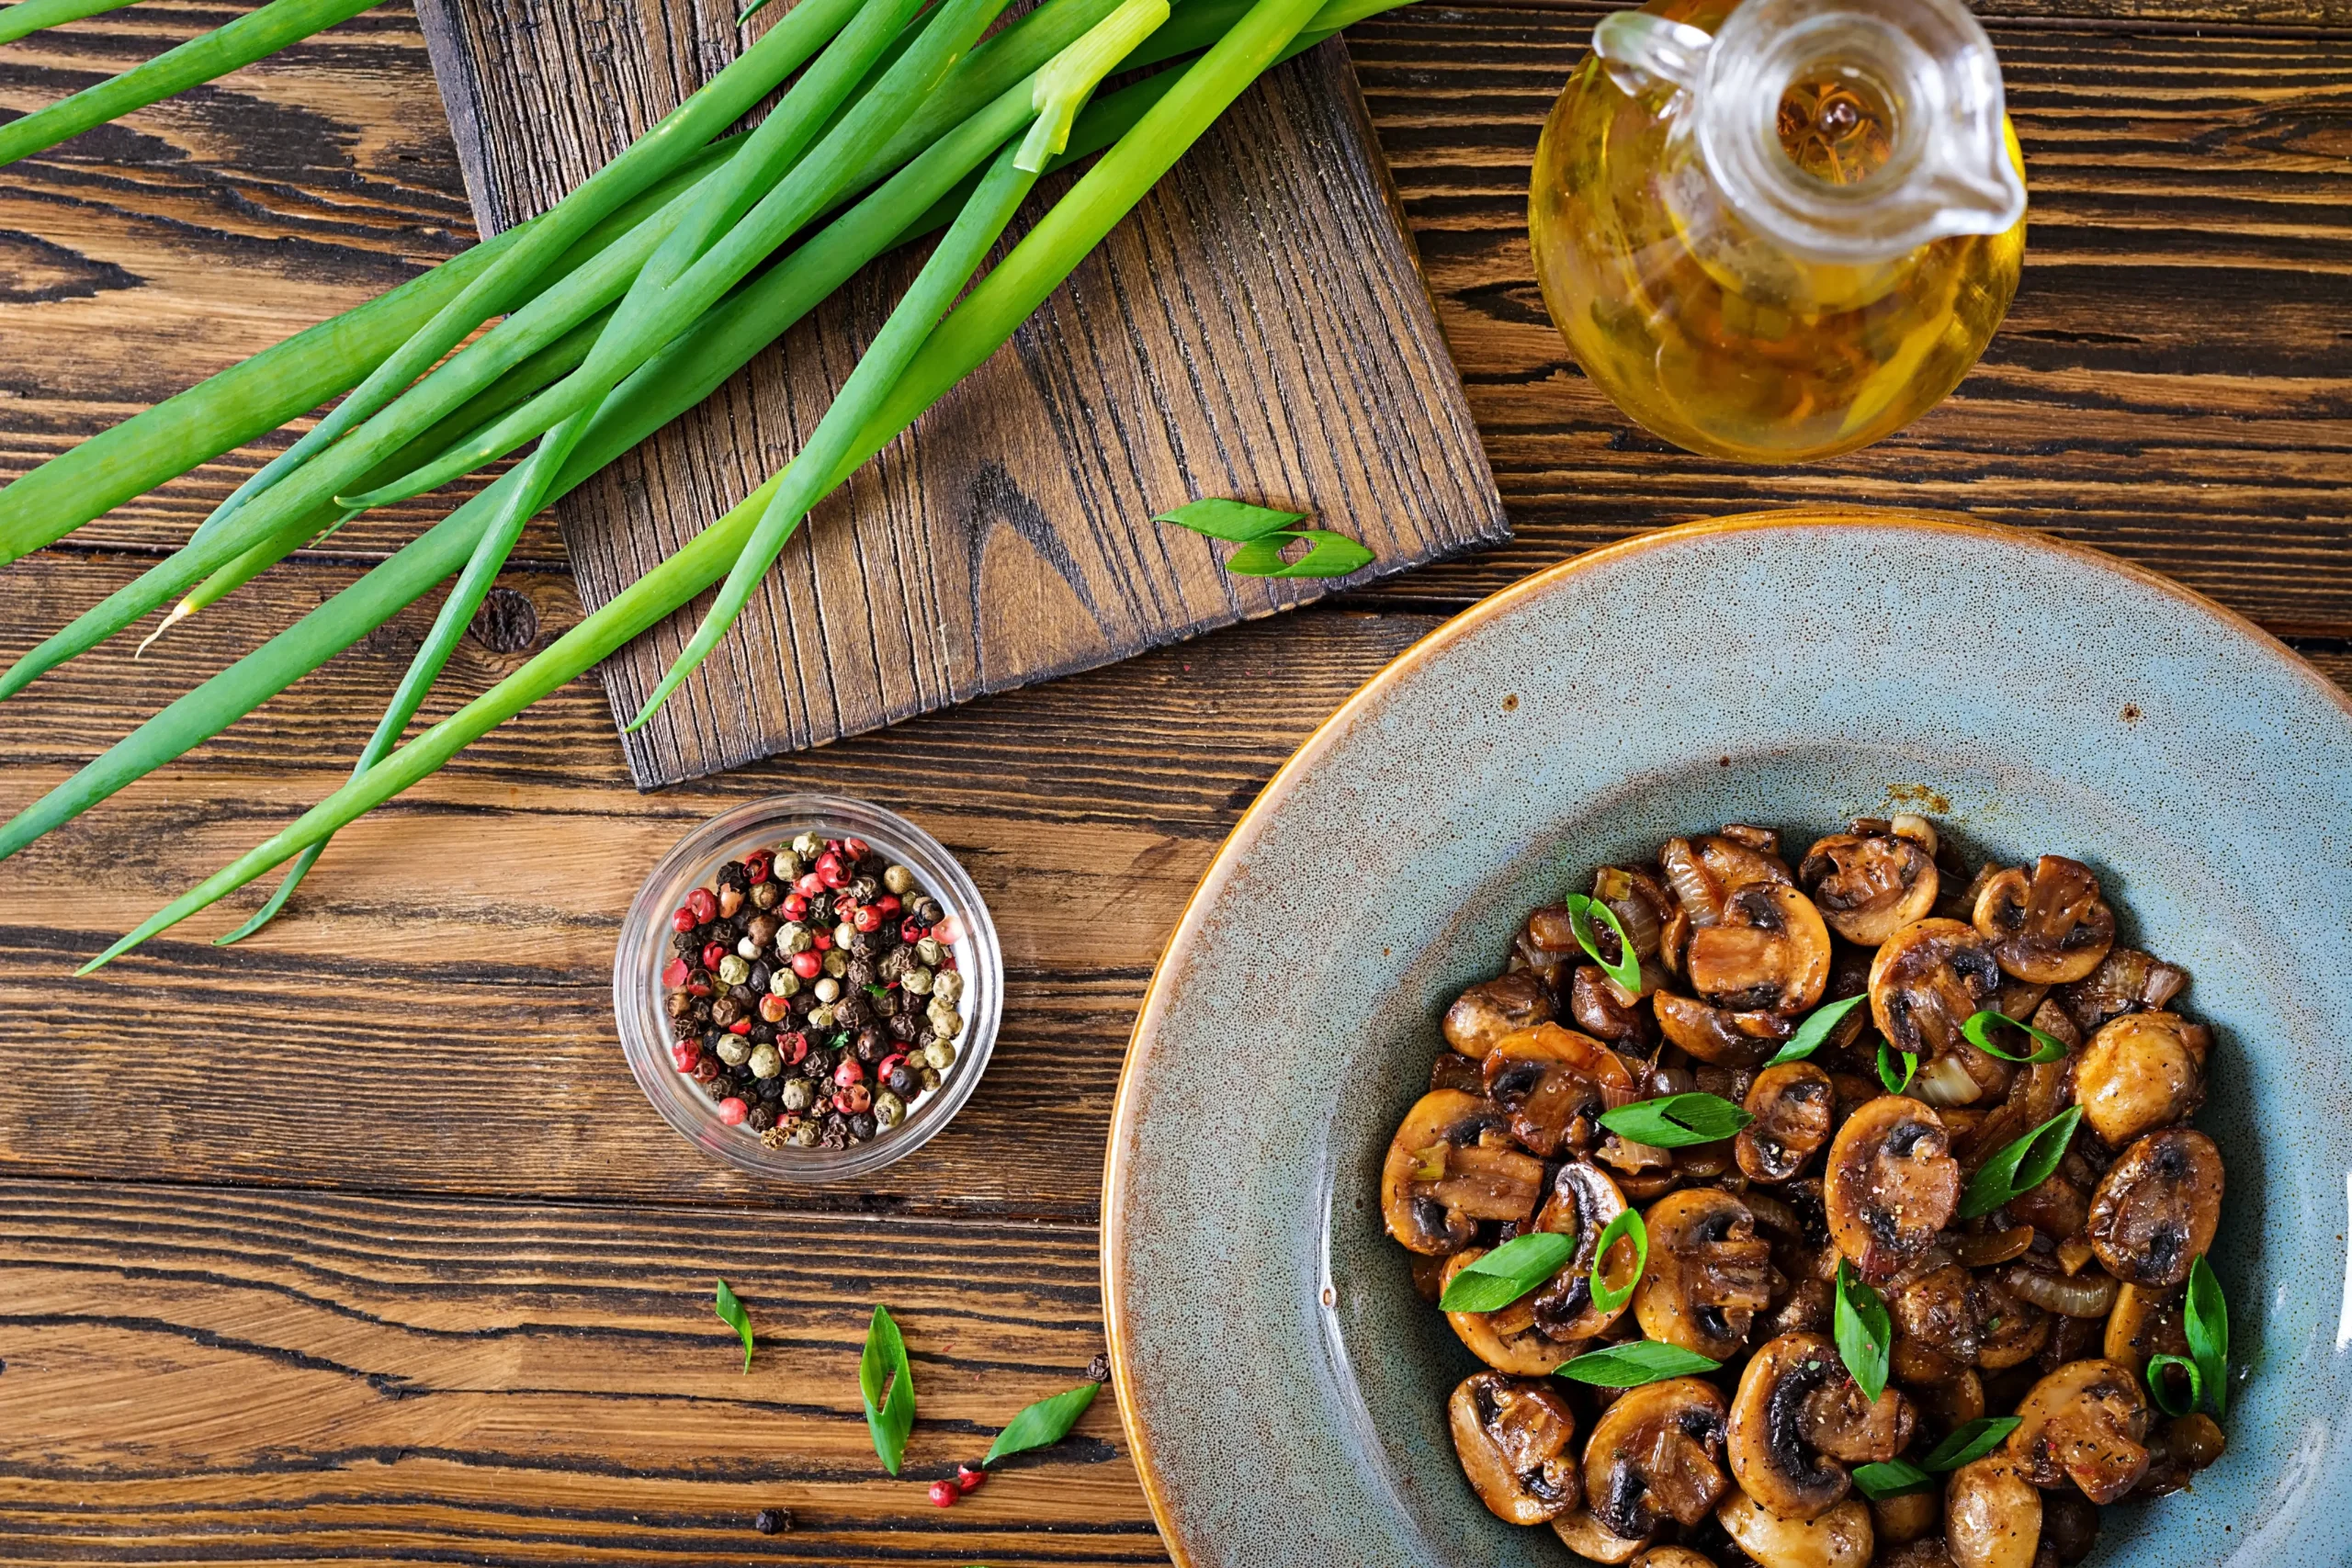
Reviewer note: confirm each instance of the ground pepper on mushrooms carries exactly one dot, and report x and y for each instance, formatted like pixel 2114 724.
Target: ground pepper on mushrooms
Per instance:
pixel 813 994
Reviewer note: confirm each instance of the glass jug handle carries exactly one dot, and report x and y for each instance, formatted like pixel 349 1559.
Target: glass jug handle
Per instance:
pixel 1643 52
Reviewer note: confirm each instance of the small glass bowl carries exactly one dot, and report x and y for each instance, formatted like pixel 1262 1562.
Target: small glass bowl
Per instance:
pixel 645 950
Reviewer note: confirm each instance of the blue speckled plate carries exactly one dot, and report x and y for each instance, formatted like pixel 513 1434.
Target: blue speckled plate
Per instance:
pixel 1283 1386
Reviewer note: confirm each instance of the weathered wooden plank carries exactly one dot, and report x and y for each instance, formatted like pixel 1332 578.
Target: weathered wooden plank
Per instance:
pixel 192 1376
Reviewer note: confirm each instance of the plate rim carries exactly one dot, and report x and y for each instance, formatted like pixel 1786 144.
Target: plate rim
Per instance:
pixel 1221 867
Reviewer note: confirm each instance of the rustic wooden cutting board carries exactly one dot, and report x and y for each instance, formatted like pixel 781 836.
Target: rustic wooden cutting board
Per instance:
pixel 1258 328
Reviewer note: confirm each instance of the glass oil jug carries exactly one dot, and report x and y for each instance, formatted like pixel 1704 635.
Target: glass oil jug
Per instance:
pixel 1777 230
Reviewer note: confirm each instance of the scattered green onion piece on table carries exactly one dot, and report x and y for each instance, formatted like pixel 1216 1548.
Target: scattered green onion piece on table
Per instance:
pixel 1815 1029
pixel 2160 1387
pixel 2205 1319
pixel 1634 1364
pixel 1628 1222
pixel 254 36
pixel 1895 1082
pixel 1044 1424
pixel 1978 1030
pixel 1582 910
pixel 1327 555
pixel 2019 1168
pixel 1863 1333
pixel 1492 1281
pixel 1677 1121
pixel 731 1313
pixel 1234 522
pixel 1969 1442
pixel 31 16
pixel 888 1386
pixel 1894 1477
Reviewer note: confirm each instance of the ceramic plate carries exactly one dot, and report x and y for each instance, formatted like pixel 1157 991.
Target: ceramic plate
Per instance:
pixel 1284 1388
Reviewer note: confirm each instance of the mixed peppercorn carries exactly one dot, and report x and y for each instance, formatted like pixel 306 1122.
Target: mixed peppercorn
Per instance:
pixel 813 993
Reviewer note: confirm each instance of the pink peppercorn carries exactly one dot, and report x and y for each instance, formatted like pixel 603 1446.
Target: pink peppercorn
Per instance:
pixel 759 864
pixel 683 920
pixel 795 1047
pixel 889 1064
pixel 849 1073
pixel 809 965
pixel 809 886
pixel 888 903
pixel 684 1054
pixel 713 953
pixel 853 1100
pixel 705 905
pixel 944 1493
pixel 856 849
pixel 795 906
pixel 970 1476
pixel 732 1112
pixel 831 872
pixel 741 1026
pixel 675 974
pixel 910 930
pixel 867 918
pixel 821 940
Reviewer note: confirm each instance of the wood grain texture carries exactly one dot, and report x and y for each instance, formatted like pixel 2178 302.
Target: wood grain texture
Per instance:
pixel 1257 328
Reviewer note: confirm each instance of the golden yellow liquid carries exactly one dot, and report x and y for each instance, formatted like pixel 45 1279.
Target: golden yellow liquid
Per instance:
pixel 1697 362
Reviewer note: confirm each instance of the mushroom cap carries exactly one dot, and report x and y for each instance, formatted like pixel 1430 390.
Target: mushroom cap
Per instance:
pixel 1513 1436
pixel 1709 1274
pixel 2085 1423
pixel 1868 885
pixel 1839 1538
pixel 1768 950
pixel 2015 1331
pixel 1928 1552
pixel 2048 926
pixel 1720 1035
pixel 1508 1338
pixel 1584 1200
pixel 1444 1173
pixel 1992 1515
pixel 1796 1416
pixel 2127 980
pixel 1657 1454
pixel 2154 1211
pixel 1891 1184
pixel 1793 1105
pixel 2140 1072
pixel 1492 1008
pixel 1548 1082
pixel 1942 1310
pixel 1927 979
pixel 1588 1537
pixel 1906 1517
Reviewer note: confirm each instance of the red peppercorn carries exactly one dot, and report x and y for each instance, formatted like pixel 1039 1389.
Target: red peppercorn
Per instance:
pixel 970 1476
pixel 809 886
pixel 795 1047
pixel 853 1100
pixel 683 920
pixel 759 866
pixel 796 908
pixel 741 1026
pixel 821 940
pixel 706 1069
pixel 705 905
pixel 675 974
pixel 684 1054
pixel 699 983
pixel 944 1493
pixel 732 1112
pixel 866 919
pixel 856 849
pixel 910 930
pixel 889 1064
pixel 713 953
pixel 849 1072
pixel 888 903
pixel 809 965
pixel 831 873
pixel 834 845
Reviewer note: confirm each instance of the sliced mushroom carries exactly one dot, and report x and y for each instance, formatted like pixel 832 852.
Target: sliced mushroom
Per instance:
pixel 1720 1035
pixel 2140 1072
pixel 1508 1338
pixel 1768 950
pixel 1791 1104
pixel 2084 1423
pixel 1601 1010
pixel 1870 882
pixel 1549 1082
pixel 1657 1454
pixel 2015 1331
pixel 1444 1174
pixel 1840 1538
pixel 1588 1537
pixel 2048 926
pixel 1906 1517
pixel 1492 1008
pixel 2146 1322
pixel 1512 1436
pixel 1929 978
pixel 1891 1184
pixel 1796 1416
pixel 1709 1274
pixel 2127 980
pixel 1584 1200
pixel 1941 1311
pixel 1992 1515
pixel 1455 1071
pixel 2156 1208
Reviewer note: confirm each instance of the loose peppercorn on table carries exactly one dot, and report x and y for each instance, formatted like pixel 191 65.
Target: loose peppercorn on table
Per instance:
pixel 357 1242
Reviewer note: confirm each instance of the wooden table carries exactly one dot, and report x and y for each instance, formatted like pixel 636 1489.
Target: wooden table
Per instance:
pixel 357 1242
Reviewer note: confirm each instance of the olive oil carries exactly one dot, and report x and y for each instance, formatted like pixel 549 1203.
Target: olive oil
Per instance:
pixel 1711 336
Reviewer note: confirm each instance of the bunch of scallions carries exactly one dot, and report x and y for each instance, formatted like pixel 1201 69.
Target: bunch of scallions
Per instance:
pixel 615 310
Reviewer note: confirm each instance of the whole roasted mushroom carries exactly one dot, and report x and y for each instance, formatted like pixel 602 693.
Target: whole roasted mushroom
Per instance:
pixel 1657 1454
pixel 1840 1538
pixel 1720 1035
pixel 1513 1436
pixel 1766 951
pixel 1548 1082
pixel 1709 1274
pixel 1673 1557
pixel 1799 1419
pixel 1928 978
pixel 1449 1168
pixel 2154 1211
pixel 1891 1184
pixel 2048 927
pixel 1584 1200
pixel 1992 1515
pixel 1872 881
pixel 2140 1072
pixel 1492 1008
pixel 1791 1104
pixel 1940 1310
pixel 2084 1423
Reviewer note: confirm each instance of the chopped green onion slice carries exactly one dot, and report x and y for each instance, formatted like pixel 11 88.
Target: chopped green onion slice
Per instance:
pixel 731 1313
pixel 1978 1029
pixel 1495 1280
pixel 2205 1319
pixel 1970 1442
pixel 1626 972
pixel 1632 1365
pixel 1677 1121
pixel 1331 555
pixel 2020 1166
pixel 2161 1388
pixel 1234 522
pixel 1895 1082
pixel 888 1385
pixel 1862 1331
pixel 1895 1478
pixel 1043 1423
pixel 1815 1029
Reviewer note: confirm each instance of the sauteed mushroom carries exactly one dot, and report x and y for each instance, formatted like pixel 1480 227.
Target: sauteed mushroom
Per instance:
pixel 1601 1011
pixel 1588 1537
pixel 1870 881
pixel 1512 1436
pixel 1940 1311
pixel 1719 1035
pixel 1797 1415
pixel 1791 1104
pixel 1891 1184
pixel 1766 951
pixel 1840 1538
pixel 2181 1448
pixel 1583 1201
pixel 2140 1072
pixel 1657 1454
pixel 2015 1331
pixel 2127 980
pixel 2069 1525
pixel 1486 1011
pixel 1548 1081
pixel 1928 1552
pixel 1673 1557
pixel 1929 978
pixel 2146 1322
pixel 2155 1210
pixel 1444 1174
pixel 2084 1423
pixel 2048 927
pixel 1710 1273
pixel 1992 1515
pixel 1906 1517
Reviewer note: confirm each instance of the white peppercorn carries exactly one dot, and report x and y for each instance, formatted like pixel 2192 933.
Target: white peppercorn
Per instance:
pixel 821 1017
pixel 767 1061
pixel 808 846
pixel 946 1019
pixel 916 982
pixel 734 1050
pixel 829 990
pixel 844 934
pixel 939 1054
pixel 947 985
pixel 898 879
pixel 788 869
pixel 749 948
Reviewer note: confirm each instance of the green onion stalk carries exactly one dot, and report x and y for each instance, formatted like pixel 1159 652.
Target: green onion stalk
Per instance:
pixel 986 319
pixel 32 15
pixel 254 36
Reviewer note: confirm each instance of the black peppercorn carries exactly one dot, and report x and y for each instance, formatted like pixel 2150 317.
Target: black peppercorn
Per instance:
pixel 855 1009
pixel 859 975
pixel 726 1010
pixel 744 996
pixel 871 1046
pixel 903 1082
pixel 762 1034
pixel 820 910
pixel 864 890
pixel 735 874
pixel 678 1004
pixel 686 944
pixel 894 964
pixel 762 975
pixel 861 1126
pixel 762 929
pixel 760 1119
pixel 929 910
pixel 870 944
pixel 1099 1368
pixel 903 1026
